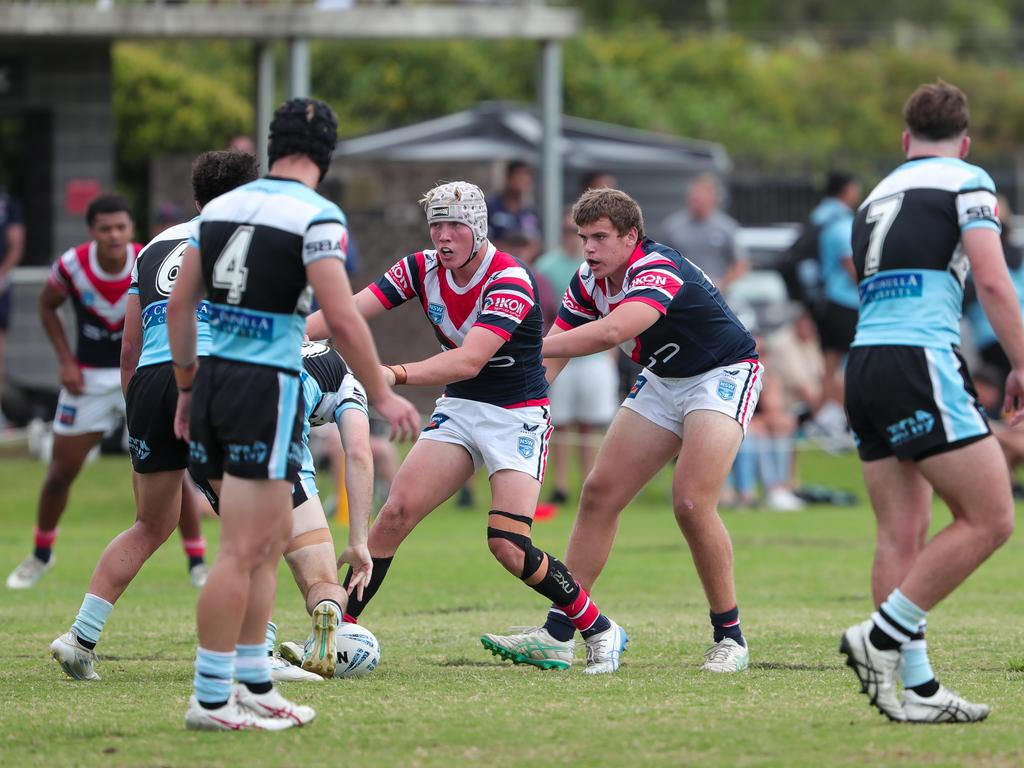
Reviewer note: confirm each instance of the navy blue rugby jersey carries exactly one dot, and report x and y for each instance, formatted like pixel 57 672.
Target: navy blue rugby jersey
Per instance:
pixel 256 242
pixel 500 297
pixel 906 249
pixel 696 332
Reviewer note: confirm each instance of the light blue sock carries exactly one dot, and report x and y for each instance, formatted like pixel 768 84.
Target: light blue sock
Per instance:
pixel 782 450
pixel 915 668
pixel 214 672
pixel 252 664
pixel 899 608
pixel 744 468
pixel 271 637
pixel 91 617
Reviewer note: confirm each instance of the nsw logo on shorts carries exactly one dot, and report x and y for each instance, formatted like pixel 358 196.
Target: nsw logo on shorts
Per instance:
pixel 637 386
pixel 726 389
pixel 436 421
pixel 527 445
pixel 67 415
pixel 435 312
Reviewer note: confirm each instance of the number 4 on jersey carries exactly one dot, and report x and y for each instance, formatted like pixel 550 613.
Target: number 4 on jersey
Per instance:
pixel 229 271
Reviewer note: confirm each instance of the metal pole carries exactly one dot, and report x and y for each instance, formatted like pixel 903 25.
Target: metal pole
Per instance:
pixel 550 97
pixel 298 68
pixel 264 101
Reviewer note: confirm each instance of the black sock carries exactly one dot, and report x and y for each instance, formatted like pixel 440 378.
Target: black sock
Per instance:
pixel 85 643
pixel 43 553
pixel 727 624
pixel 600 625
pixel 926 689
pixel 212 704
pixel 882 640
pixel 559 626
pixel 380 570
pixel 259 687
pixel 194 560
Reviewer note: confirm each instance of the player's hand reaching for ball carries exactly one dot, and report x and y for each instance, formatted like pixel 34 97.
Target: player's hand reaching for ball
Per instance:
pixel 358 557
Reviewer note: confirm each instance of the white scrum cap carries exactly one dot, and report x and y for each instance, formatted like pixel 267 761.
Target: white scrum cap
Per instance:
pixel 462 202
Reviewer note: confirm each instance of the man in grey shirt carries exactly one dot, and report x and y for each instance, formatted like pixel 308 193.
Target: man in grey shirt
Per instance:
pixel 705 235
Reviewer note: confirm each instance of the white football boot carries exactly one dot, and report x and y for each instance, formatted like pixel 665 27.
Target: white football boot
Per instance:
pixel 273 705
pixel 605 649
pixel 293 653
pixel 533 645
pixel 230 717
pixel 945 706
pixel 875 669
pixel 29 572
pixel 197 574
pixel 283 672
pixel 322 656
pixel 75 659
pixel 726 656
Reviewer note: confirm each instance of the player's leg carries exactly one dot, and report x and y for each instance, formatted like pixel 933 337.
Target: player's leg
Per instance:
pixel 69 454
pixel 157 497
pixel 431 473
pixel 710 442
pixel 509 535
pixel 192 540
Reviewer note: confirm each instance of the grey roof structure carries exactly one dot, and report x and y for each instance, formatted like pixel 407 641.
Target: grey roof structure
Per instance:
pixel 506 131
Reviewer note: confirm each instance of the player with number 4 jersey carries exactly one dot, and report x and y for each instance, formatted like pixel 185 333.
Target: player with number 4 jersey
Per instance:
pixel 694 398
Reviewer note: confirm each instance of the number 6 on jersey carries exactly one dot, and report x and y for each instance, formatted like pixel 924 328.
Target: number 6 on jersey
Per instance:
pixel 229 271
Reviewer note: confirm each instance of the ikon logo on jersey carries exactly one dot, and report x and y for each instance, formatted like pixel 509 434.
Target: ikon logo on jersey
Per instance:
pixel 650 279
pixel 507 305
pixel 398 276
pixel 572 305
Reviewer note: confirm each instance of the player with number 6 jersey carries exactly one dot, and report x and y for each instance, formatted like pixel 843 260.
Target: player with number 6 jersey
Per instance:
pixel 482 306
pixel 694 398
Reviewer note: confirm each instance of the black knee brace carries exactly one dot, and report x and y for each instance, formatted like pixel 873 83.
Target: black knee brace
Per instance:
pixel 558 585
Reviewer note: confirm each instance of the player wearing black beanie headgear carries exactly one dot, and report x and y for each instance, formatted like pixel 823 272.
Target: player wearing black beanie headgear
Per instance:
pixel 304 126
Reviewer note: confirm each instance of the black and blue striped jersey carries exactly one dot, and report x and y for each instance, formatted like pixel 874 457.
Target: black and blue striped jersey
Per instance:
pixel 153 277
pixel 906 249
pixel 255 243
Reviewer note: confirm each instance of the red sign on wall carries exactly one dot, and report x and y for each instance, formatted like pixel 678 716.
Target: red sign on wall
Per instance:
pixel 78 193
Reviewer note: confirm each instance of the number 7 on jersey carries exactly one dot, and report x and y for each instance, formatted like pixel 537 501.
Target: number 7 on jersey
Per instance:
pixel 883 212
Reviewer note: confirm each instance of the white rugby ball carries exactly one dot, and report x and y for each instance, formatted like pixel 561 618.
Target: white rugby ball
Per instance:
pixel 357 649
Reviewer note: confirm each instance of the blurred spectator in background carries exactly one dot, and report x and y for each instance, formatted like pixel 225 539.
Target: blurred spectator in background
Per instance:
pixel 167 215
pixel 985 341
pixel 242 143
pixel 585 395
pixel 12 248
pixel 837 322
pixel 512 209
pixel 598 180
pixel 707 236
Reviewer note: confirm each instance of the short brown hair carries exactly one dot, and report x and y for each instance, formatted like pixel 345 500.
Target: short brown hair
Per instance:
pixel 613 204
pixel 936 111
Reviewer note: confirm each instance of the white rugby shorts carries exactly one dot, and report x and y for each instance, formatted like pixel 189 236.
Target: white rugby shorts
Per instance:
pixel 497 438
pixel 731 389
pixel 99 408
pixel 586 391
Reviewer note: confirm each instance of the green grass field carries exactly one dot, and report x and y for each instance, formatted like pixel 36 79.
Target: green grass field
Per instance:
pixel 439 699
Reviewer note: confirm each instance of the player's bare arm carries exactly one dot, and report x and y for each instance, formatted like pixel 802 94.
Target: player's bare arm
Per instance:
pixel 181 333
pixel 131 340
pixel 457 364
pixel 1002 307
pixel 70 372
pixel 627 321
pixel 352 335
